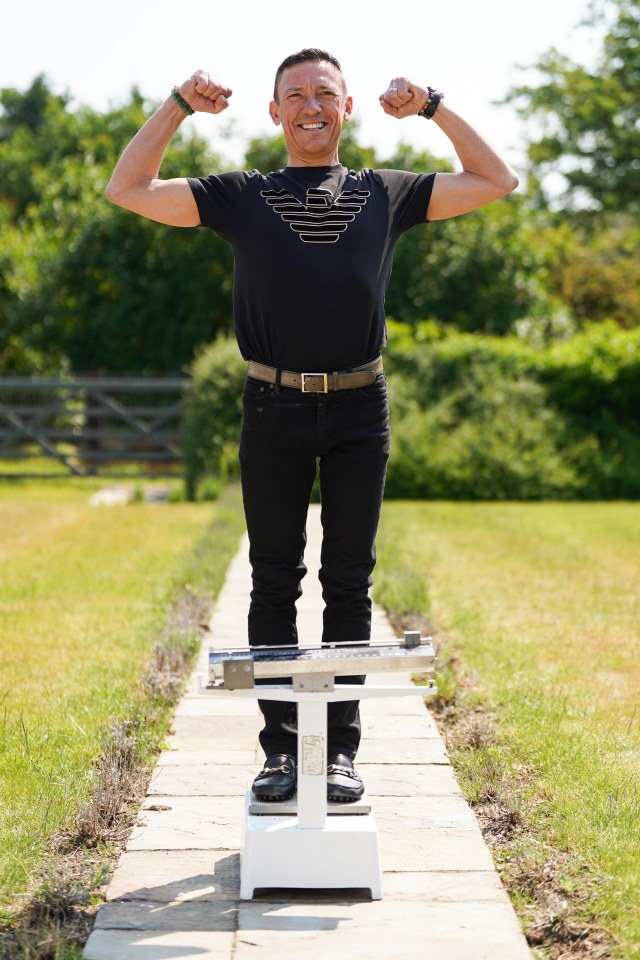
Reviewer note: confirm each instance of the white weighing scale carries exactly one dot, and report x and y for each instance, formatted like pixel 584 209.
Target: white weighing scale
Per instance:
pixel 307 842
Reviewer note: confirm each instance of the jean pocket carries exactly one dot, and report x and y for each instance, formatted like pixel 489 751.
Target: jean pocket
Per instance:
pixel 254 389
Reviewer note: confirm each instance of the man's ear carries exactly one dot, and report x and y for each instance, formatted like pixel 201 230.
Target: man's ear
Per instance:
pixel 348 107
pixel 273 112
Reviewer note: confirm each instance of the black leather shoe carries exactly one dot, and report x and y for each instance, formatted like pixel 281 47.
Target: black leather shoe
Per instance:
pixel 277 779
pixel 343 783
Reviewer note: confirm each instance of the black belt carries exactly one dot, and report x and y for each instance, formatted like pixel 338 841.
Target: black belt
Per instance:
pixel 360 376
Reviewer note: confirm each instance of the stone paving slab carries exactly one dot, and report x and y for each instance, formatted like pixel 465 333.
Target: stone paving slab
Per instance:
pixel 194 704
pixel 456 886
pixel 409 780
pixel 399 752
pixel 434 848
pixel 158 945
pixel 208 731
pixel 184 915
pixel 395 707
pixel 171 876
pixel 183 756
pixel 423 813
pixel 385 727
pixel 175 892
pixel 188 823
pixel 437 931
pixel 212 780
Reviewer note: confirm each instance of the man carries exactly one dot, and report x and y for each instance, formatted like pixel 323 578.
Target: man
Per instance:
pixel 313 245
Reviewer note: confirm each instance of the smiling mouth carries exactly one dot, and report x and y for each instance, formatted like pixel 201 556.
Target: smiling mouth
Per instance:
pixel 313 126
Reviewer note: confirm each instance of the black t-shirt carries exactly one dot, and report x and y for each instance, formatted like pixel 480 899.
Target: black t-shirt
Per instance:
pixel 313 248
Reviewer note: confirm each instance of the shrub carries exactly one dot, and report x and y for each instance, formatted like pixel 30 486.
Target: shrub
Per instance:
pixel 491 437
pixel 494 418
pixel 213 414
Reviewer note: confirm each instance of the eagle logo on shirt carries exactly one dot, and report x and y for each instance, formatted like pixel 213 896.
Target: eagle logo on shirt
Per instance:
pixel 321 219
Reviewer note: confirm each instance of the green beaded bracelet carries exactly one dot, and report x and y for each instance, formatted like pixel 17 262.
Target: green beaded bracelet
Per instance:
pixel 179 99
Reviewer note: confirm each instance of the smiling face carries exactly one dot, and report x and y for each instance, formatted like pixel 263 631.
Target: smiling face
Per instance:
pixel 312 105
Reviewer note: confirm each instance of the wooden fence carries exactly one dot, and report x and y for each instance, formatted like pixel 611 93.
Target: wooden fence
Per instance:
pixel 92 425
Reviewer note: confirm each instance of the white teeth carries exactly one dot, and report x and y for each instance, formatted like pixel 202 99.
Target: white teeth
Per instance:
pixel 312 126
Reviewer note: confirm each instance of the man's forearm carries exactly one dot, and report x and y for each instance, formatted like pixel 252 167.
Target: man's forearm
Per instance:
pixel 473 152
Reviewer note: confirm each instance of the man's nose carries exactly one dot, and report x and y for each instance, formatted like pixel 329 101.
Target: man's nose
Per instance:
pixel 312 104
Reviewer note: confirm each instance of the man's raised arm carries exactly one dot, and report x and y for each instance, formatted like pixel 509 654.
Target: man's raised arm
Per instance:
pixel 135 184
pixel 485 175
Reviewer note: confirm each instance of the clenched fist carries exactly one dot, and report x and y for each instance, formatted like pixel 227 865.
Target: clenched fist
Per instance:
pixel 204 93
pixel 402 98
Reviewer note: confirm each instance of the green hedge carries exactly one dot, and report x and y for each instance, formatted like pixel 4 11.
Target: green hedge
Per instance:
pixel 476 417
pixel 473 417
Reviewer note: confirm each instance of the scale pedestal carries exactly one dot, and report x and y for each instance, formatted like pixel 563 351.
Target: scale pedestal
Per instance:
pixel 307 843
pixel 277 852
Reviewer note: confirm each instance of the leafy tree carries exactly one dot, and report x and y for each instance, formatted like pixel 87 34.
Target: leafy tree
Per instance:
pixel 479 272
pixel 266 153
pixel 133 296
pixel 589 118
pixel 84 284
pixel 592 267
pixel 584 126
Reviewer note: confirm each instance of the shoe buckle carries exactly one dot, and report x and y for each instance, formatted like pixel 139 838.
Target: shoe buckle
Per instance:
pixel 313 387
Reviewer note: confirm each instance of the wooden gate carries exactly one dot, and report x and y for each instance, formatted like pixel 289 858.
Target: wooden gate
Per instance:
pixel 92 425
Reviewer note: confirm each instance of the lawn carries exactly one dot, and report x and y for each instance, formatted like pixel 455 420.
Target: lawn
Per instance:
pixel 541 602
pixel 83 594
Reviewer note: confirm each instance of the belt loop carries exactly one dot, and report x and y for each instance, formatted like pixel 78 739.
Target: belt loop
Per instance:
pixel 334 380
pixel 278 379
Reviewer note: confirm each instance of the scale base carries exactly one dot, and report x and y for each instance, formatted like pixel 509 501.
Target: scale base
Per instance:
pixel 277 853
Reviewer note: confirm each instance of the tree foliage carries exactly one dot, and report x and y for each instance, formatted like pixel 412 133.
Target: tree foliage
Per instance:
pixel 589 117
pixel 583 124
pixel 87 286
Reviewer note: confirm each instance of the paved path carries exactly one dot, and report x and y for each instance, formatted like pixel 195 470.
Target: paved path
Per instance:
pixel 175 893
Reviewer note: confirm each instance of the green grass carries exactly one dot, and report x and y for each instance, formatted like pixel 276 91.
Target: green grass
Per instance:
pixel 41 467
pixel 83 594
pixel 542 603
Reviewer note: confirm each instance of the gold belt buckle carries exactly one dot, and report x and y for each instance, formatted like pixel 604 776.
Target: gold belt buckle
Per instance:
pixel 325 382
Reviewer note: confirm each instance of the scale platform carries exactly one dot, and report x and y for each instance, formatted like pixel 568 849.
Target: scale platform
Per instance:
pixel 306 842
pixel 289 808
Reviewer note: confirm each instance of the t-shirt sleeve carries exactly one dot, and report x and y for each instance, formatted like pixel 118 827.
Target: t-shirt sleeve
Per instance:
pixel 409 195
pixel 218 198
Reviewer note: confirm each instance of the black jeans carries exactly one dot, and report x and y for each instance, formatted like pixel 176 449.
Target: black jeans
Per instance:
pixel 284 434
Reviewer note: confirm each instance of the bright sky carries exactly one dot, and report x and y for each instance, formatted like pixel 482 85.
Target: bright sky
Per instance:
pixel 470 49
